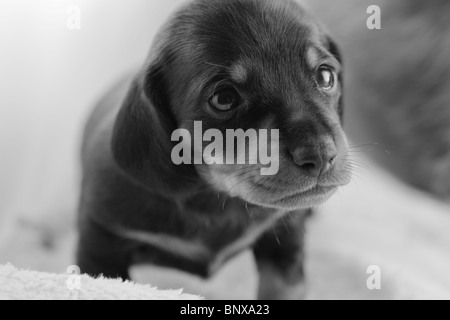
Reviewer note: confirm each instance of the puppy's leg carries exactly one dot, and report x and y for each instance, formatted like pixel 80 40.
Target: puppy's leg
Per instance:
pixel 100 252
pixel 279 256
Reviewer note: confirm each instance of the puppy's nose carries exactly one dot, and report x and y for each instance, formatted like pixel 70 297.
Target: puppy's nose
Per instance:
pixel 314 163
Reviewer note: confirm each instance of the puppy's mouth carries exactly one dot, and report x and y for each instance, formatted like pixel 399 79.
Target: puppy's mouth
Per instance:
pixel 317 190
pixel 283 192
pixel 300 199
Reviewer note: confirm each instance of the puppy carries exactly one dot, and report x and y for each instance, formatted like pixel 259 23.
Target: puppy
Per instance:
pixel 235 64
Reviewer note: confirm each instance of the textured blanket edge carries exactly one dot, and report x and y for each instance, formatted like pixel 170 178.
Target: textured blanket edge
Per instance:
pixel 18 284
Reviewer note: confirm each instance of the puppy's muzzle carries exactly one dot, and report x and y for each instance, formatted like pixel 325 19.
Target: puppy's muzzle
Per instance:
pixel 315 159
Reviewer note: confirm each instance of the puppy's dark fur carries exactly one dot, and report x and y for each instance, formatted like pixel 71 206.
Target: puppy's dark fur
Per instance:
pixel 137 206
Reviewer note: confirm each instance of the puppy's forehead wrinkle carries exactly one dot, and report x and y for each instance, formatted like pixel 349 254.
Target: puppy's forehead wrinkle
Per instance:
pixel 248 23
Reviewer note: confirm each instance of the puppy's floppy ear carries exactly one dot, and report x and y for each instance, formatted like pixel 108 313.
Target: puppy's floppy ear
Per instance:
pixel 141 143
pixel 333 48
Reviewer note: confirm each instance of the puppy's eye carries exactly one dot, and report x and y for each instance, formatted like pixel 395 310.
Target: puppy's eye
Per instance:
pixel 325 78
pixel 225 100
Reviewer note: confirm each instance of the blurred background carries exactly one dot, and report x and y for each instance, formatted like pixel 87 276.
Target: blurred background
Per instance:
pixel 57 57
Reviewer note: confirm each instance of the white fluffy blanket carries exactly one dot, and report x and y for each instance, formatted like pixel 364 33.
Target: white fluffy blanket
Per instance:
pixel 18 284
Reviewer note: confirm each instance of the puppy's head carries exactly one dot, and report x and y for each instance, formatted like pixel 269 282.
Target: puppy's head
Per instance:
pixel 241 64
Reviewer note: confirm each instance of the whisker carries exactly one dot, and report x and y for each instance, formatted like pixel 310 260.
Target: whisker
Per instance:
pixel 285 224
pixel 351 168
pixel 240 182
pixel 375 146
pixel 359 166
pixel 276 236
pixel 357 176
pixel 243 180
